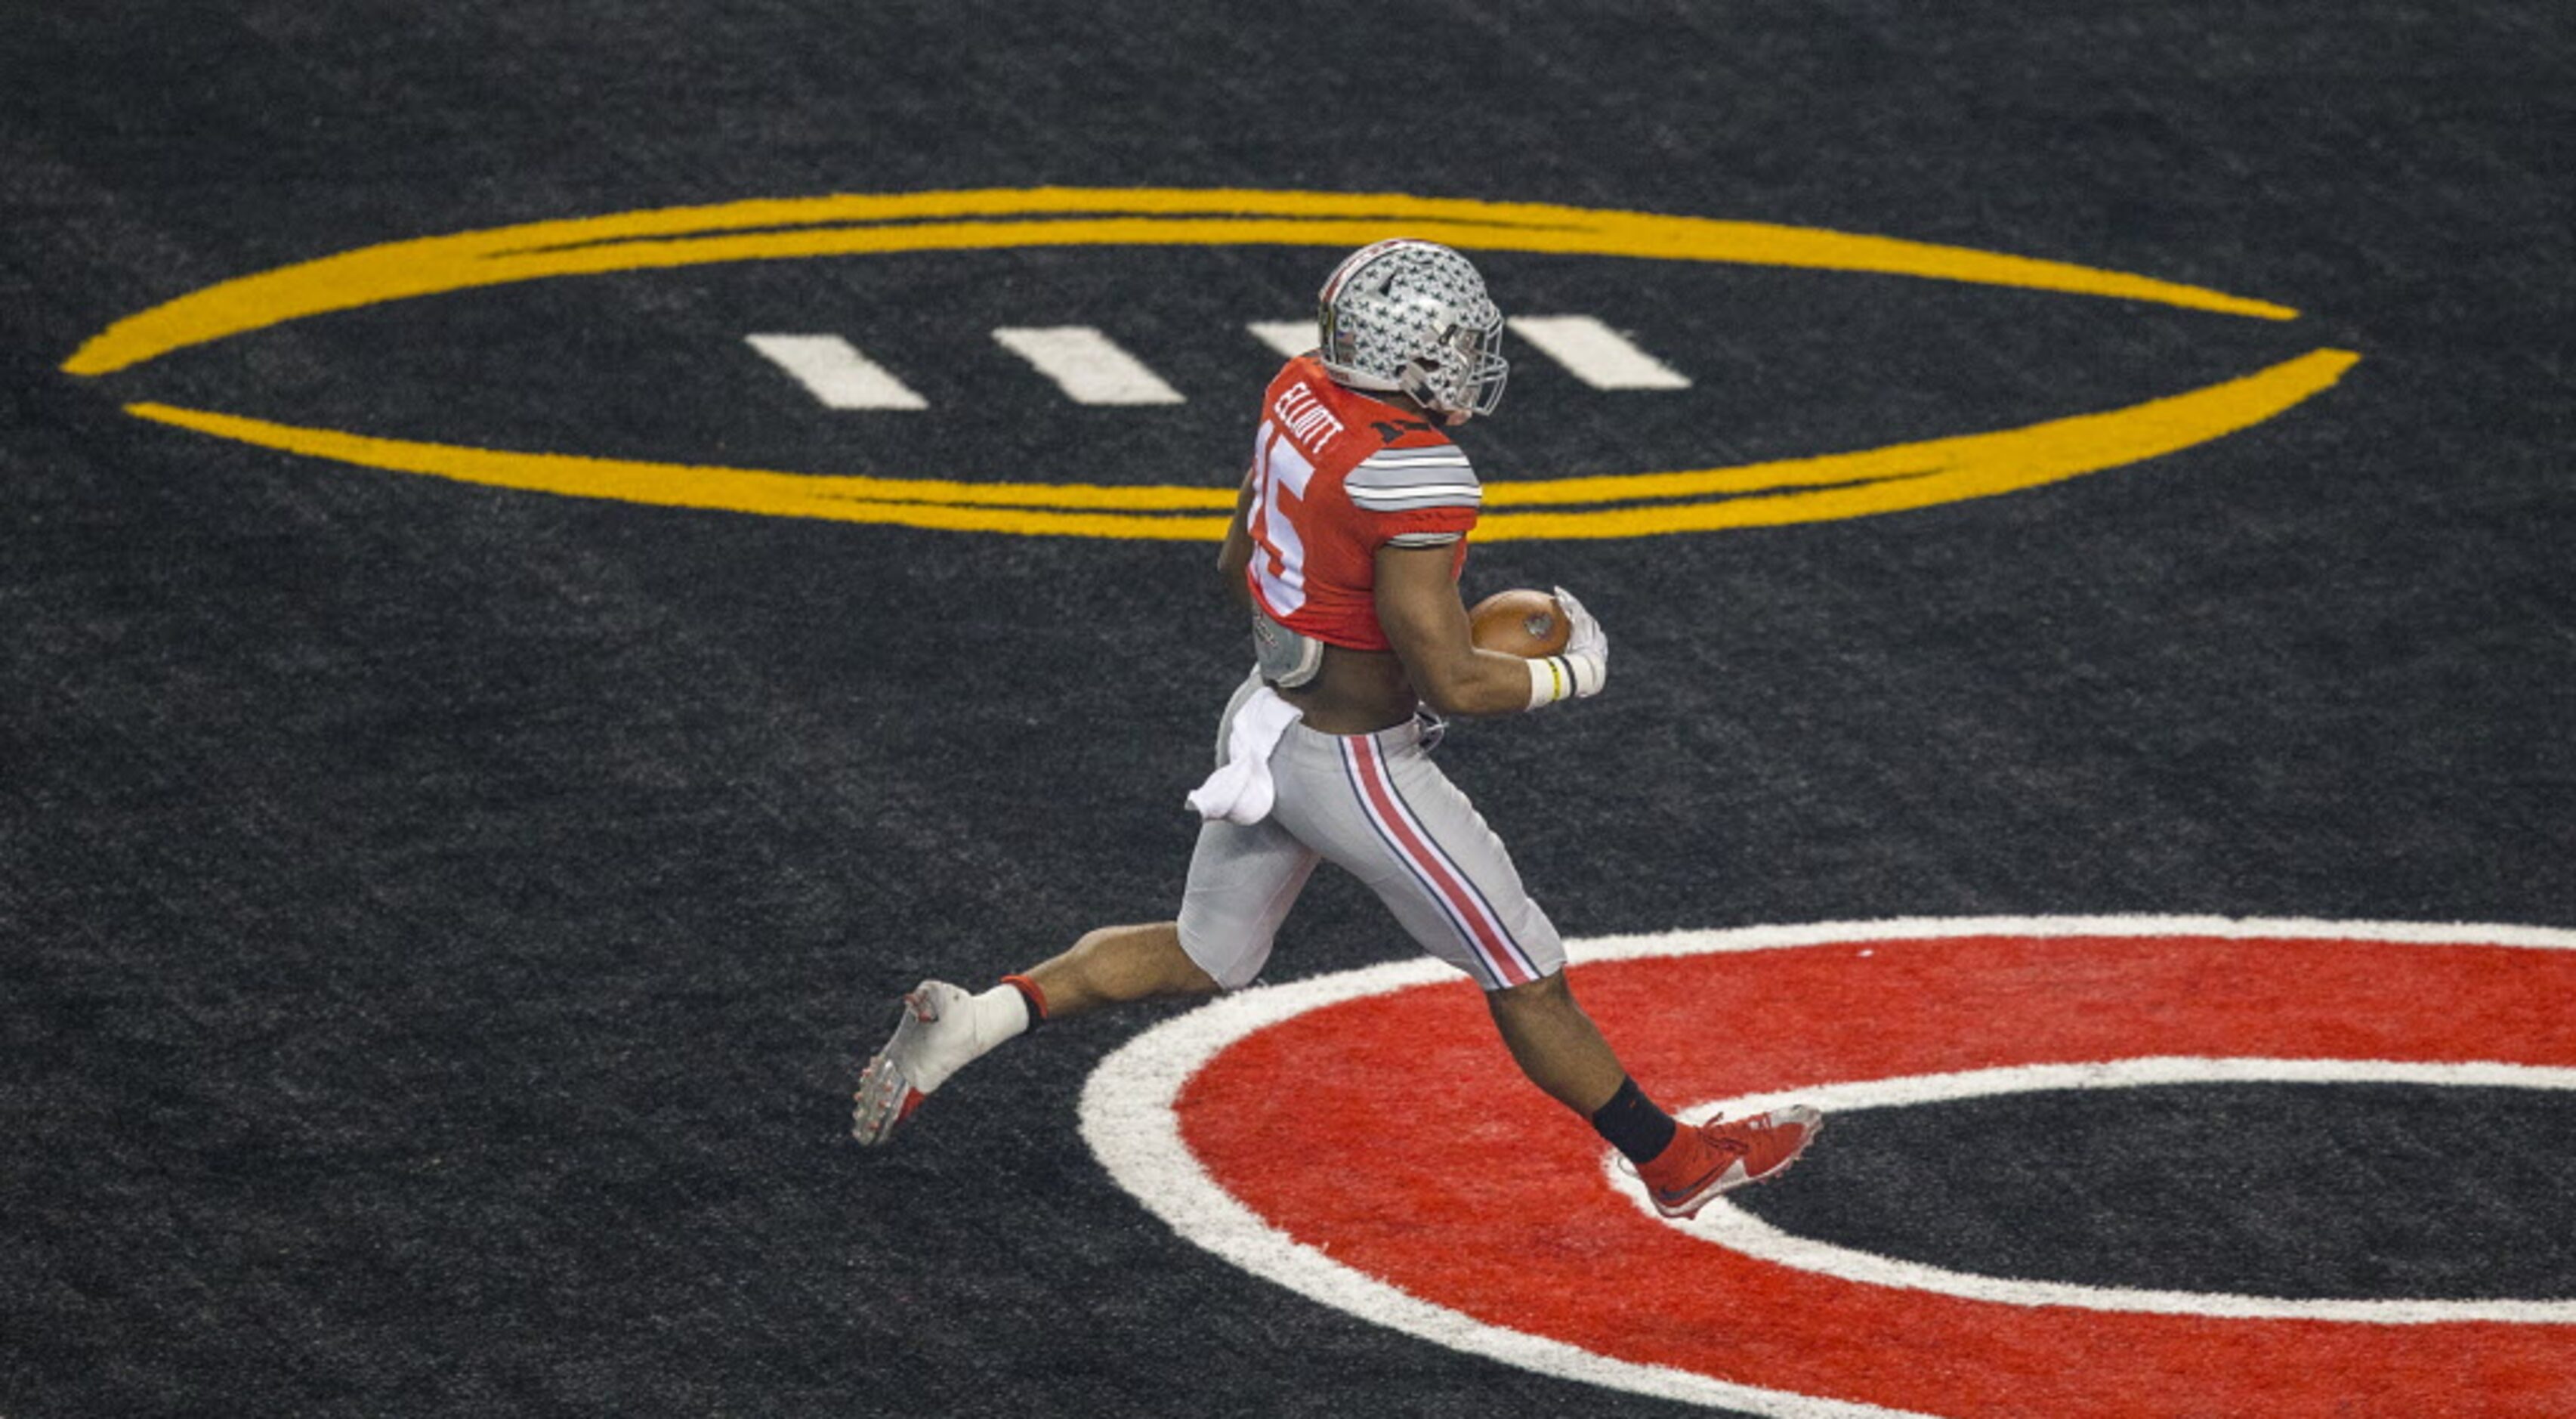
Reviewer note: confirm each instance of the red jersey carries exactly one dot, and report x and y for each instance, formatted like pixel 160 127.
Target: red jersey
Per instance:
pixel 1336 475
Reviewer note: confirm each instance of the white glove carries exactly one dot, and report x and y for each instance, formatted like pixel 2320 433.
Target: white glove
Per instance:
pixel 1580 669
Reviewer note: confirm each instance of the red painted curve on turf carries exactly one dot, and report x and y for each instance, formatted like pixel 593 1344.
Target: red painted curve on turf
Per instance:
pixel 1393 1134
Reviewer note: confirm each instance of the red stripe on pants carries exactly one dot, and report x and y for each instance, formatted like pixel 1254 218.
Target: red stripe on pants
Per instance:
pixel 1484 934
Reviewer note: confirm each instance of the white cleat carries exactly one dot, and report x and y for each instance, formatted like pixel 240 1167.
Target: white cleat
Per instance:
pixel 890 1088
pixel 942 1031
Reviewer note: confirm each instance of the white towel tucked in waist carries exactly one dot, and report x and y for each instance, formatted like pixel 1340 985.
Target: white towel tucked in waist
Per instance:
pixel 1240 790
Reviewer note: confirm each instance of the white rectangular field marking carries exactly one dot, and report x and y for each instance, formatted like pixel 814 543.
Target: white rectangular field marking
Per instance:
pixel 1594 353
pixel 1289 337
pixel 1087 365
pixel 833 370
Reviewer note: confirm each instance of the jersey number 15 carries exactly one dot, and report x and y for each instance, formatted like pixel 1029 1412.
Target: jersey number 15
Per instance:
pixel 1282 473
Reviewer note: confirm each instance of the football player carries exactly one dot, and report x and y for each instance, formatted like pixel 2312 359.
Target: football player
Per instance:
pixel 1345 549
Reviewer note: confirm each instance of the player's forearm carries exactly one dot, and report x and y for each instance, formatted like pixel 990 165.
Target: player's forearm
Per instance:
pixel 1230 568
pixel 1234 558
pixel 1472 682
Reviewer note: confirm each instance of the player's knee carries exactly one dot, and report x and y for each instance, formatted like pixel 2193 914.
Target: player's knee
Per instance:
pixel 1218 958
pixel 1548 993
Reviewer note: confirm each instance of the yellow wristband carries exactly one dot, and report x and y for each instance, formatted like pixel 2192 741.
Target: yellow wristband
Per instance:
pixel 1549 681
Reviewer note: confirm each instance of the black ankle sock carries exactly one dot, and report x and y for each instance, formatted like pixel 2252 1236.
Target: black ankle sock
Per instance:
pixel 1633 1125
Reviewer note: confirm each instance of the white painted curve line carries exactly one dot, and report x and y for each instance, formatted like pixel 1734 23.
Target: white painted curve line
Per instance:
pixel 1129 1118
pixel 1087 365
pixel 1726 1224
pixel 833 371
pixel 1290 338
pixel 1594 353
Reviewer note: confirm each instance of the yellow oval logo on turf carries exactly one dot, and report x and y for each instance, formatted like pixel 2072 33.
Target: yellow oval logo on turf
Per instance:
pixel 1643 503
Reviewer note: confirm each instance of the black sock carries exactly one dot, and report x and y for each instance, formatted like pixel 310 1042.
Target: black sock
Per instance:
pixel 1633 1125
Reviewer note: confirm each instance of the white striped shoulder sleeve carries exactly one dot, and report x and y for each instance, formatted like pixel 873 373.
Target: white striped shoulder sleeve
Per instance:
pixel 1414 480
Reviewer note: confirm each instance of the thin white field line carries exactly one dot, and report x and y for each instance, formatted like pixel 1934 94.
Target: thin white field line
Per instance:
pixel 1289 337
pixel 1770 938
pixel 833 371
pixel 1087 365
pixel 1596 354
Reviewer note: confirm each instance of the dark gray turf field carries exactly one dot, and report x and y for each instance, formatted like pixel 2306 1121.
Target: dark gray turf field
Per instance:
pixel 443 921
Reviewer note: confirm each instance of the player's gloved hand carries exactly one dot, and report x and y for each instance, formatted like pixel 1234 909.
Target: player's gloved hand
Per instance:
pixel 1581 668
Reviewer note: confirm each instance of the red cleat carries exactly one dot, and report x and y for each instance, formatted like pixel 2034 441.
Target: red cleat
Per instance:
pixel 1724 1154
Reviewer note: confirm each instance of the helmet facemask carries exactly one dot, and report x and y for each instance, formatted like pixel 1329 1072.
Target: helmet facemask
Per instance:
pixel 1463 374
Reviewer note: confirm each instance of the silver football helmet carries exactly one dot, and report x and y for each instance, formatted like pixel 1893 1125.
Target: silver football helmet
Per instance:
pixel 1413 317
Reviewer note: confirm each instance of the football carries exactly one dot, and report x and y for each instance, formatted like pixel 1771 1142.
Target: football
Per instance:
pixel 1521 622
